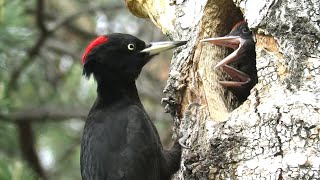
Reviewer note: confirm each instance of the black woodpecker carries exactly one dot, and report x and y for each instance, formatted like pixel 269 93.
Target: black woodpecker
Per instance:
pixel 119 140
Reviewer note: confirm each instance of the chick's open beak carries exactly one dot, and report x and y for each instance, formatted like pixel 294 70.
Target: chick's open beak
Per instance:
pixel 239 78
pixel 157 47
pixel 234 42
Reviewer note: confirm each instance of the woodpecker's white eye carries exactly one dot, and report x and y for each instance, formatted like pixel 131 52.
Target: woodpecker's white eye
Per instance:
pixel 131 47
pixel 245 30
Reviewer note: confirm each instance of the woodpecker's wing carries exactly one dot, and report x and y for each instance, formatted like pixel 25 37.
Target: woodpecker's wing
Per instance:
pixel 127 145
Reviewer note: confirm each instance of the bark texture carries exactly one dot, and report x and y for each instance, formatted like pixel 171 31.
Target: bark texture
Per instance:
pixel 275 133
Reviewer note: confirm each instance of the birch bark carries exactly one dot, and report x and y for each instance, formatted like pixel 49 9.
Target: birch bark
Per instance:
pixel 275 133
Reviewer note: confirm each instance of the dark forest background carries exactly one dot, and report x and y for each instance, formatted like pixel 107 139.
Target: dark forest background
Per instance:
pixel 44 98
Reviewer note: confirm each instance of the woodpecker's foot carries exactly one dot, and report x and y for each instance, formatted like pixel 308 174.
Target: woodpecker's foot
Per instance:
pixel 182 141
pixel 168 100
pixel 240 78
pixel 170 105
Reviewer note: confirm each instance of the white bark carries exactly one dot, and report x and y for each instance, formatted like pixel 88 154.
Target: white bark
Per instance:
pixel 275 133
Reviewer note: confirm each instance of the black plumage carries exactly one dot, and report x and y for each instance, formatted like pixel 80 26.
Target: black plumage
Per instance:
pixel 119 139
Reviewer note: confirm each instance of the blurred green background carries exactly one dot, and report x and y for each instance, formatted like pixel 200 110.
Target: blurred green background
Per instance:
pixel 44 98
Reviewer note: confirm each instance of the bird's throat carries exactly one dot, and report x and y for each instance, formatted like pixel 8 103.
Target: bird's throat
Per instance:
pixel 110 92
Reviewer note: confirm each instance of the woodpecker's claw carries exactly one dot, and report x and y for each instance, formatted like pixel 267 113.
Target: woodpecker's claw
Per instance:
pixel 182 141
pixel 240 78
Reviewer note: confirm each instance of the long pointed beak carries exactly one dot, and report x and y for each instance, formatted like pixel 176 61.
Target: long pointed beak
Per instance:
pixel 234 42
pixel 239 78
pixel 157 47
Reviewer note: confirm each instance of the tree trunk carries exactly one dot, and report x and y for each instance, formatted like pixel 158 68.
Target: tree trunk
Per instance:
pixel 275 133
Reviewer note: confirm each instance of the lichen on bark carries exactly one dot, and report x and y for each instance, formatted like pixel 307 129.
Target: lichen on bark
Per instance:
pixel 275 133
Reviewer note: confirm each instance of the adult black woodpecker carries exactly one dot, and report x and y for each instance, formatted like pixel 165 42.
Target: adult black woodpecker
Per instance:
pixel 119 140
pixel 242 70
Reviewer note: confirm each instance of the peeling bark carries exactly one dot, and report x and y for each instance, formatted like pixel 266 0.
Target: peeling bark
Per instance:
pixel 275 133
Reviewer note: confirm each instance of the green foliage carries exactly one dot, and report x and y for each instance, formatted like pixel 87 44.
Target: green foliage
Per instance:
pixel 12 169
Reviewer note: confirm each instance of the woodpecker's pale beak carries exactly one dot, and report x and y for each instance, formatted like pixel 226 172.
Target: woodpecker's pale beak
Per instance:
pixel 234 42
pixel 157 47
